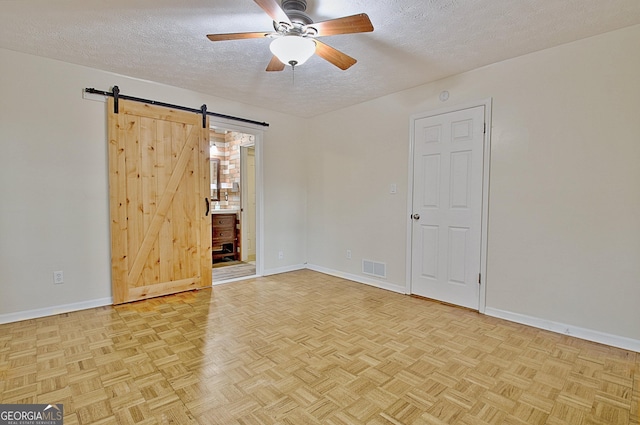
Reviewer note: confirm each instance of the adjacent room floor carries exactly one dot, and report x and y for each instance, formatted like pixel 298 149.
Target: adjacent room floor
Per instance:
pixel 307 348
pixel 233 270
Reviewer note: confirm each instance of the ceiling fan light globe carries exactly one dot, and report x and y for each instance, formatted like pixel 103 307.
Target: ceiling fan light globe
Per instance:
pixel 292 49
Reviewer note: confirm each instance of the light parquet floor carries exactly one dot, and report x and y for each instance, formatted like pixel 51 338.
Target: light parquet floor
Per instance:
pixel 307 348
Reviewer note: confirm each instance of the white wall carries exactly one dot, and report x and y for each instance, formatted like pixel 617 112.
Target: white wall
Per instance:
pixel 54 191
pixel 564 225
pixel 564 221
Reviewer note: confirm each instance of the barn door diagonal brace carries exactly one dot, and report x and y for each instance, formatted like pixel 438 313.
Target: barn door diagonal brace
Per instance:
pixel 115 93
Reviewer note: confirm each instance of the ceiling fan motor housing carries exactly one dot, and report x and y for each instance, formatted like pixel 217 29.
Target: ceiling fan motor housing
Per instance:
pixel 295 10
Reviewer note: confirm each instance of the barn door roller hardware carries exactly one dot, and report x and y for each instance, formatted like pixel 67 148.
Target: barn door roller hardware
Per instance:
pixel 115 93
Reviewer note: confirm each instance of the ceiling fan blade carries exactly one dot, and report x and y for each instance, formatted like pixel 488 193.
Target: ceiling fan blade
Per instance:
pixel 347 25
pixel 237 36
pixel 275 64
pixel 336 57
pixel 273 9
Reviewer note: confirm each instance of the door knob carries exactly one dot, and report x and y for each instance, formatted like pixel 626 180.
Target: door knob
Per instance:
pixel 416 216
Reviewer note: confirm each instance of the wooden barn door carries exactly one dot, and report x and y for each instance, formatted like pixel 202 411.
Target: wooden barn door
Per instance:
pixel 158 181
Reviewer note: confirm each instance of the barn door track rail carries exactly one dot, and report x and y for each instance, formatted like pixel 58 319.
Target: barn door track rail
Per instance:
pixel 115 93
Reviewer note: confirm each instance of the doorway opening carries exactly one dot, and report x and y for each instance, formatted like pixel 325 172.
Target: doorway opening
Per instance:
pixel 233 205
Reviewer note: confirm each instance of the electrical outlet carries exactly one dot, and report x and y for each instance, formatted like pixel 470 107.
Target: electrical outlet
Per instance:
pixel 280 255
pixel 58 277
pixel 348 254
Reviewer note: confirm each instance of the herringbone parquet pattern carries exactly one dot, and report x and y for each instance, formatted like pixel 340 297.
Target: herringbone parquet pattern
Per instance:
pixel 306 348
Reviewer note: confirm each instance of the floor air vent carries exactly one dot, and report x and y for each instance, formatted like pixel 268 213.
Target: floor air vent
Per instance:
pixel 374 268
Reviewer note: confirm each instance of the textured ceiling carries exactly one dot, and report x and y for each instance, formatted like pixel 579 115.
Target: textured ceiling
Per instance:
pixel 414 42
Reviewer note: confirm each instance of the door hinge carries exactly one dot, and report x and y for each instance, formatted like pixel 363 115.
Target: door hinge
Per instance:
pixel 484 131
pixel 479 278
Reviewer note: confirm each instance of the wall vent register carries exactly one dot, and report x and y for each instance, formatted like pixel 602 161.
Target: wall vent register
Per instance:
pixel 374 268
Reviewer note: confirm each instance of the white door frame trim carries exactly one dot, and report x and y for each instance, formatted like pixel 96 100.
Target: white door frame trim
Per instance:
pixel 486 162
pixel 259 139
pixel 243 191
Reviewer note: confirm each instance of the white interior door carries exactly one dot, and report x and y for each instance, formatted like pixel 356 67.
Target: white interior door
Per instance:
pixel 446 232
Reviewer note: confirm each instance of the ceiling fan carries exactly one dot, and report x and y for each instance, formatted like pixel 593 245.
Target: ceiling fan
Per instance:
pixel 295 37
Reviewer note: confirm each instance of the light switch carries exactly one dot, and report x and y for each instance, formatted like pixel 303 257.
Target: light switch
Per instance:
pixel 394 188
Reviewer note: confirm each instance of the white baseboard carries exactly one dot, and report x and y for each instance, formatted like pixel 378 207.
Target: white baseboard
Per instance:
pixel 52 311
pixel 360 279
pixel 285 269
pixel 561 328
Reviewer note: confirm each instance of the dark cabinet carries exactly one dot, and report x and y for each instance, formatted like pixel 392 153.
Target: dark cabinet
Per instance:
pixel 224 236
